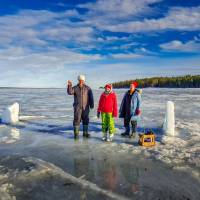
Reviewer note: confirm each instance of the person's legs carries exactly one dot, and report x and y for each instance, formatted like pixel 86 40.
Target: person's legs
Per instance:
pixel 104 120
pixel 111 126
pixel 133 128
pixel 127 126
pixel 85 120
pixel 77 120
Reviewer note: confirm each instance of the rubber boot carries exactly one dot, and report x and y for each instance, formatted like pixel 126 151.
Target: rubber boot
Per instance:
pixel 85 131
pixel 76 132
pixel 127 131
pixel 133 129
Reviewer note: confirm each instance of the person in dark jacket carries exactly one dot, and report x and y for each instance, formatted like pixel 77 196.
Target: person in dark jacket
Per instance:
pixel 130 109
pixel 83 102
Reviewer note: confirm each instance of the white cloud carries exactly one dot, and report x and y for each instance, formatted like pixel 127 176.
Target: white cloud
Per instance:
pixel 176 45
pixel 21 57
pixel 19 29
pixel 126 56
pixel 23 68
pixel 40 28
pixel 67 33
pixel 109 9
pixel 178 18
pixel 33 42
pixel 35 27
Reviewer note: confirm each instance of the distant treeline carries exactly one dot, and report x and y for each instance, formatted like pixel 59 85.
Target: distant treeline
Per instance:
pixel 167 82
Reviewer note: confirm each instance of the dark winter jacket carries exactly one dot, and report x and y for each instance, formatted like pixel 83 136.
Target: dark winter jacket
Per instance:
pixel 129 105
pixel 83 96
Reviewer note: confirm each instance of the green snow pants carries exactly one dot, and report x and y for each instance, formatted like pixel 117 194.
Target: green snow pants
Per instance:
pixel 108 123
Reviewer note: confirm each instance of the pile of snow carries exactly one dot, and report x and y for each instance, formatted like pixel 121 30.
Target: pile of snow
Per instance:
pixel 11 114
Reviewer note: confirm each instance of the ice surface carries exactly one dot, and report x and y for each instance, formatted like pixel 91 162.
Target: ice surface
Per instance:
pixel 11 114
pixel 169 122
pixel 33 151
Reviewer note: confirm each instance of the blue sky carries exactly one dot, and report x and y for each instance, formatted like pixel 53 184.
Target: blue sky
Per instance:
pixel 45 43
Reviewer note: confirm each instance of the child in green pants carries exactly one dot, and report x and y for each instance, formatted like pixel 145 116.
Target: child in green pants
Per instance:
pixel 108 110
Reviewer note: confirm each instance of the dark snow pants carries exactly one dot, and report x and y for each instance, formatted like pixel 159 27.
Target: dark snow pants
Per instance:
pixel 127 121
pixel 81 114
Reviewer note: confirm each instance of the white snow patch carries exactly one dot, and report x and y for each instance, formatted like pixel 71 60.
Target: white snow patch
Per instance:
pixel 28 117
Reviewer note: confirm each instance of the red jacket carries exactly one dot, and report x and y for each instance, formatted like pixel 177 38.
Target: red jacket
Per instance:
pixel 108 103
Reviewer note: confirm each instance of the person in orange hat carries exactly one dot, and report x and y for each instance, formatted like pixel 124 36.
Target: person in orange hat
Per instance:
pixel 130 109
pixel 107 108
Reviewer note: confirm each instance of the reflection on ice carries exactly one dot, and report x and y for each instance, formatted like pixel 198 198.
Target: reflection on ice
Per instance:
pixel 102 178
pixel 9 135
pixel 15 133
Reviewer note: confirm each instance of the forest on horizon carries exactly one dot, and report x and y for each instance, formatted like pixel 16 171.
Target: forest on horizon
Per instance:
pixel 187 81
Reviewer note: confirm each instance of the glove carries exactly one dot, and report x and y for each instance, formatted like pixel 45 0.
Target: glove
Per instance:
pixel 137 112
pixel 98 114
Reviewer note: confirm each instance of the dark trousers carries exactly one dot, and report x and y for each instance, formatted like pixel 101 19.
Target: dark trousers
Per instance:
pixel 127 121
pixel 81 114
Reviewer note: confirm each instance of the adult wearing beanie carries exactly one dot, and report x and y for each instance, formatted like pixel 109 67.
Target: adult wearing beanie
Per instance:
pixel 83 102
pixel 130 109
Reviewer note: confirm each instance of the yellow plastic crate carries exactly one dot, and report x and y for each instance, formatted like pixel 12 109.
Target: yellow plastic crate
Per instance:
pixel 147 140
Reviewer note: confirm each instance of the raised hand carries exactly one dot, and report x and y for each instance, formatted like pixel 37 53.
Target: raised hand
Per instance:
pixel 69 83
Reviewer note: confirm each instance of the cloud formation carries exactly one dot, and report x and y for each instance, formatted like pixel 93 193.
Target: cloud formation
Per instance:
pixel 181 19
pixel 46 44
pixel 176 45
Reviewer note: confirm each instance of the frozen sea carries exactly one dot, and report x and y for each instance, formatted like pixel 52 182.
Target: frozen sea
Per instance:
pixel 39 158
